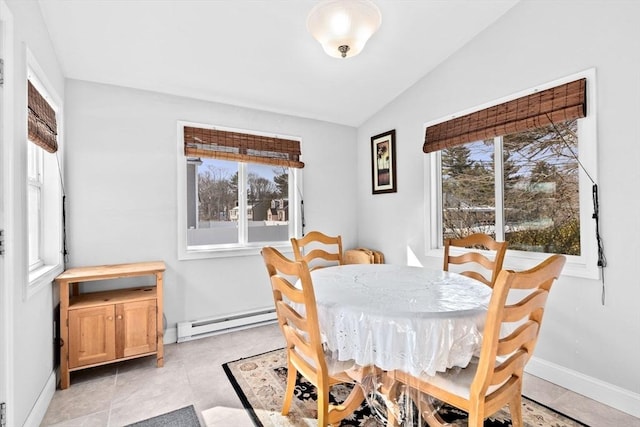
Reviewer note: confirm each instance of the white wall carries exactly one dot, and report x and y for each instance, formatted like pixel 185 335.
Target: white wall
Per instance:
pixel 121 190
pixel 122 195
pixel 584 345
pixel 31 357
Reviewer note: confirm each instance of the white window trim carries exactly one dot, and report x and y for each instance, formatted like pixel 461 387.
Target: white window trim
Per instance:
pixel 232 250
pixel 584 265
pixel 36 182
pixel 41 277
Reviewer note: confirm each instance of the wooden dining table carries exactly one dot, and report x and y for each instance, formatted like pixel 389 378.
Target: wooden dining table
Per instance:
pixel 394 317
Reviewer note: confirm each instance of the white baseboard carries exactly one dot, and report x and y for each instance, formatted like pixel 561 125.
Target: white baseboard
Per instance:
pixel 42 404
pixel 600 391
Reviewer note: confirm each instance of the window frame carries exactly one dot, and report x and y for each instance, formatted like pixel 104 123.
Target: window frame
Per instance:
pixel 584 265
pixel 243 248
pixel 51 234
pixel 35 180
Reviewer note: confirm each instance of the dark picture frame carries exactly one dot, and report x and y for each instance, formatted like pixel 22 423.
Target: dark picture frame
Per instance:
pixel 383 163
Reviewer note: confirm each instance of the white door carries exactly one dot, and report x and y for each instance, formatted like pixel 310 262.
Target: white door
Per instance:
pixel 3 164
pixel 6 156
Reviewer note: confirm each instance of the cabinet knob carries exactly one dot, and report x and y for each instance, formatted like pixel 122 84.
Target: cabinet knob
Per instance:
pixel 110 318
pixel 119 317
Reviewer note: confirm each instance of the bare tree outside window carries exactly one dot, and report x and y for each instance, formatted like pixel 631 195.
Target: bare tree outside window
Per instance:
pixel 540 190
pixel 218 207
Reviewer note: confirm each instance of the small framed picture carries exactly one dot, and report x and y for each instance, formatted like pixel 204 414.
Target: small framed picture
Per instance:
pixel 383 162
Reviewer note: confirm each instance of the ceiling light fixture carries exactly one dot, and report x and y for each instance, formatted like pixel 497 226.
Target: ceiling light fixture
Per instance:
pixel 343 26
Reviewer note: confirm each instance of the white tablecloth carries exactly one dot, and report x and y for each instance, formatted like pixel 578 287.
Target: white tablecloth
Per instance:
pixel 398 317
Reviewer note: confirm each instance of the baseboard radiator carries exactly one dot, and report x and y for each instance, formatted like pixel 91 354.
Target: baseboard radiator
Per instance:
pixel 195 329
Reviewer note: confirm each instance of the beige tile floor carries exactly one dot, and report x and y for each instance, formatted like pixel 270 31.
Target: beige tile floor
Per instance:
pixel 123 393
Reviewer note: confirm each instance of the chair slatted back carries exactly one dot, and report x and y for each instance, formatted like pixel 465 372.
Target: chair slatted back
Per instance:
pixel 318 250
pixel 502 358
pixel 363 256
pixel 297 314
pixel 478 240
pixel 509 338
pixel 358 256
pixel 299 327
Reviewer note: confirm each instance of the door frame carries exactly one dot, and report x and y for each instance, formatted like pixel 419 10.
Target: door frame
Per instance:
pixel 7 212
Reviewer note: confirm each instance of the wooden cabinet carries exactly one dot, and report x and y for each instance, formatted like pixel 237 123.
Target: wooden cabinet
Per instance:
pixel 104 326
pixel 92 337
pixel 108 326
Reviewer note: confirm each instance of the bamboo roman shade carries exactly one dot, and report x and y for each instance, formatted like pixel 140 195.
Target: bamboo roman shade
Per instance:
pixel 243 147
pixel 560 103
pixel 42 127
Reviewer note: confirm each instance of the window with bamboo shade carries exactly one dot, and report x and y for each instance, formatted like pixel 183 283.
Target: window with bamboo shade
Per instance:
pixel 557 104
pixel 241 190
pixel 519 170
pixel 41 118
pixel 46 246
pixel 243 147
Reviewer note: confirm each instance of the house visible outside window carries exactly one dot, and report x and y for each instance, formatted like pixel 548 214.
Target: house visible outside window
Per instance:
pixel 43 186
pixel 241 191
pixel 528 184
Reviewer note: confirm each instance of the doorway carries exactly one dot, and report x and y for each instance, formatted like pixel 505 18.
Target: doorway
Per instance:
pixel 6 178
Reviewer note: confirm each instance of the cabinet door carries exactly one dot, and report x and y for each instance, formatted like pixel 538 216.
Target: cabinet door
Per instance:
pixel 136 328
pixel 91 335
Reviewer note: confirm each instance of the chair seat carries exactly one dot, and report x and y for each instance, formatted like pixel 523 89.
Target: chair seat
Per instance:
pixel 335 367
pixel 457 380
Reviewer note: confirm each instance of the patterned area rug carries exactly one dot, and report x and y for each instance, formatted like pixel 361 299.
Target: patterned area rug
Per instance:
pixel 260 382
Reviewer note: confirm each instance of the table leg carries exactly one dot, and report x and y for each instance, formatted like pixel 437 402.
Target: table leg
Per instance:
pixel 391 388
pixel 399 416
pixel 427 409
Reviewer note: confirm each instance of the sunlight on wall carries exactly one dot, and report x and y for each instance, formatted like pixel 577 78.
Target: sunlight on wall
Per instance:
pixel 412 259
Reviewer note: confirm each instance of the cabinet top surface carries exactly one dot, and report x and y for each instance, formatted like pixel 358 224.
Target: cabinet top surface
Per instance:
pixel 111 271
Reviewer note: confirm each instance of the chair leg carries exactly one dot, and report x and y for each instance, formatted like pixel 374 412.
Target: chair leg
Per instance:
pixel 292 375
pixel 475 419
pixel 336 413
pixel 323 406
pixel 515 408
pixel 476 415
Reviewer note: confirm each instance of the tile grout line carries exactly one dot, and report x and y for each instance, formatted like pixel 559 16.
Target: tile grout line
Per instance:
pixel 115 385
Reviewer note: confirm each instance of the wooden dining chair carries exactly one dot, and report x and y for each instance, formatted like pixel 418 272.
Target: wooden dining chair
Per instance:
pixel 302 334
pixel 362 256
pixel 477 241
pixel 318 249
pixel 357 256
pixel 495 378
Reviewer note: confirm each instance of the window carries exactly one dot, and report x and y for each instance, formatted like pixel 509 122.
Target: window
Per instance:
pixel 34 201
pixel 529 185
pixel 241 191
pixel 534 173
pixel 43 187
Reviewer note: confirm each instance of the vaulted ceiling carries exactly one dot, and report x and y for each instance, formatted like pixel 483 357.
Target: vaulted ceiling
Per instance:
pixel 258 53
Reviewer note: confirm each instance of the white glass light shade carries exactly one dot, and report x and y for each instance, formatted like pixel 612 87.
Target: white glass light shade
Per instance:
pixel 343 26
